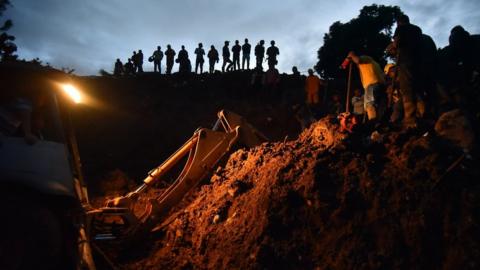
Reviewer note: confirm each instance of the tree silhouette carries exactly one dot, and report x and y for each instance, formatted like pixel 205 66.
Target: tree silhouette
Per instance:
pixel 369 34
pixel 7 47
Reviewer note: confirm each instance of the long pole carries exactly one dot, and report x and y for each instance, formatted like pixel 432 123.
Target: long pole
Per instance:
pixel 349 85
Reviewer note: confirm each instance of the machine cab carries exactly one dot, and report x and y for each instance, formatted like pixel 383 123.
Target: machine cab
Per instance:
pixel 44 155
pixel 42 193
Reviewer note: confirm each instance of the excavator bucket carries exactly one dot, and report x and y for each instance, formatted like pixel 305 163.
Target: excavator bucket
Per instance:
pixel 249 136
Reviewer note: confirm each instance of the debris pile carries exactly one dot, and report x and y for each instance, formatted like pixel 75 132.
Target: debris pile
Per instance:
pixel 329 200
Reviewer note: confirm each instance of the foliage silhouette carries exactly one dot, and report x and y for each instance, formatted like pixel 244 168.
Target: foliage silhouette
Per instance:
pixel 369 33
pixel 7 47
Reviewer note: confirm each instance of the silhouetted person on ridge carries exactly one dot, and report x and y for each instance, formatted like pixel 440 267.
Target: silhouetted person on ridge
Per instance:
pixel 129 68
pixel 260 54
pixel 200 52
pixel 183 60
pixel 170 54
pixel 118 70
pixel 246 47
pixel 226 57
pixel 295 71
pixel 140 61
pixel 157 60
pixel 407 41
pixel 236 55
pixel 135 61
pixel 212 58
pixel 272 53
pixel 188 66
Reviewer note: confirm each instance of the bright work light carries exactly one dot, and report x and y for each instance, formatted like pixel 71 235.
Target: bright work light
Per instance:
pixel 72 92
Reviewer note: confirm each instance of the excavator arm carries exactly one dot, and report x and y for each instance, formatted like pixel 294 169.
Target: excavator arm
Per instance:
pixel 204 149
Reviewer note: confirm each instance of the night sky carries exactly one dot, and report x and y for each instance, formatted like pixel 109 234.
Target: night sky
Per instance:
pixel 88 35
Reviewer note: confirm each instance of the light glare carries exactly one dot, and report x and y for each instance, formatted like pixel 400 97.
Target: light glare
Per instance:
pixel 72 92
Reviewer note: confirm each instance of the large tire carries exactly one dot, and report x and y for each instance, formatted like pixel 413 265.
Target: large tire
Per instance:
pixel 34 234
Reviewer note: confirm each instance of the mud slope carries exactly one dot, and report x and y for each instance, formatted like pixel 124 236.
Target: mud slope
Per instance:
pixel 328 201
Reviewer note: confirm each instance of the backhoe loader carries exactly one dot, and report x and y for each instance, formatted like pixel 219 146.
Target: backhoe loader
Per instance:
pixel 117 220
pixel 48 221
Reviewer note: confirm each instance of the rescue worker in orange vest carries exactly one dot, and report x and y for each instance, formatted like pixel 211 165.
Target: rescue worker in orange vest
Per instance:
pixel 312 88
pixel 373 81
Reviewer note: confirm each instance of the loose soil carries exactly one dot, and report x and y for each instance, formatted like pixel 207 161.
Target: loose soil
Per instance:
pixel 319 199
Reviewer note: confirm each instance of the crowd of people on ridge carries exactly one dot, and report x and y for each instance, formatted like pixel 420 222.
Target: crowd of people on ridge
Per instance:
pixel 422 82
pixel 421 85
pixel 135 63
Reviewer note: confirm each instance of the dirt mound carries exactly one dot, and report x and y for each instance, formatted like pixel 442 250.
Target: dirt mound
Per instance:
pixel 330 201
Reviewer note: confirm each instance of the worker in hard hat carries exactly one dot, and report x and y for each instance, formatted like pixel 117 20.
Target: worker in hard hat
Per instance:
pixel 373 81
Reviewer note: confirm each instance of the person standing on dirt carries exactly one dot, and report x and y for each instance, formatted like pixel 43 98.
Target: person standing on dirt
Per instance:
pixel 212 58
pixel 170 54
pixel 183 60
pixel 394 98
pixel 200 52
pixel 272 53
pixel 373 81
pixel 118 70
pixel 407 41
pixel 427 99
pixel 236 55
pixel 140 61
pixel 129 69
pixel 458 70
pixel 246 47
pixel 357 102
pixel 157 60
pixel 260 54
pixel 135 61
pixel 226 57
pixel 312 89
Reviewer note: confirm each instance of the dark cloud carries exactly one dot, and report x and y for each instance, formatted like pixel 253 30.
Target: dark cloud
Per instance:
pixel 89 35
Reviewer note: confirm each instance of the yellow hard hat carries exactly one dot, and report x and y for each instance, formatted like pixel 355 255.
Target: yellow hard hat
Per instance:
pixel 388 67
